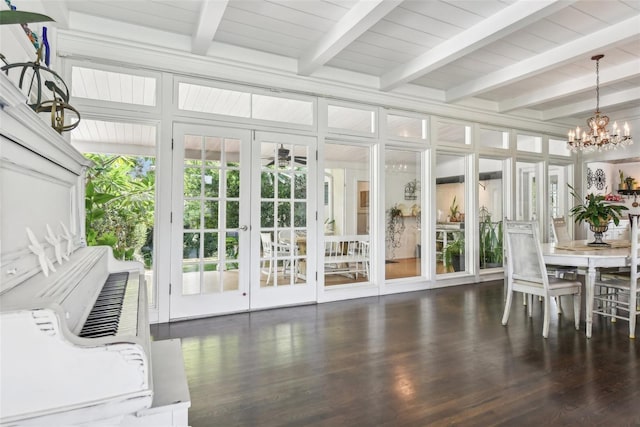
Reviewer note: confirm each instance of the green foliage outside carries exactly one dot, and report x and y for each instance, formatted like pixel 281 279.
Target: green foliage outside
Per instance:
pixel 279 182
pixel 120 204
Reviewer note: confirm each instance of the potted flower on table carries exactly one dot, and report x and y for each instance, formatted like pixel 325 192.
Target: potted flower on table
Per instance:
pixel 597 210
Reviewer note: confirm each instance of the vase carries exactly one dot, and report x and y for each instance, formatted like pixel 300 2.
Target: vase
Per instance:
pixel 597 234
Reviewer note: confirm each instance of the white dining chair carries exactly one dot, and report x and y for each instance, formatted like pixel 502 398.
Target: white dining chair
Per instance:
pixel 527 272
pixel 560 230
pixel 272 254
pixel 618 294
pixel 560 234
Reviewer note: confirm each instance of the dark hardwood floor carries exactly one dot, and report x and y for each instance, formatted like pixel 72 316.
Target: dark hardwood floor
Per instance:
pixel 429 358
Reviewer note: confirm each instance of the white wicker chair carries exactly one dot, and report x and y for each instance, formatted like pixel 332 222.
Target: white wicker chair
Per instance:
pixel 527 272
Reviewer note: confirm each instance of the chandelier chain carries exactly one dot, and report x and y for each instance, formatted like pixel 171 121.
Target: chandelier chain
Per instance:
pixel 597 85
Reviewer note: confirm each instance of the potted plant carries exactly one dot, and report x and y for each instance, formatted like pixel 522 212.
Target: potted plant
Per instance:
pixel 453 253
pixel 490 243
pixel 596 211
pixel 395 228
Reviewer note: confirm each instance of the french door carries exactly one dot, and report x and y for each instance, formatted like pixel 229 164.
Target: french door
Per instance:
pixel 283 222
pixel 210 221
pixel 242 234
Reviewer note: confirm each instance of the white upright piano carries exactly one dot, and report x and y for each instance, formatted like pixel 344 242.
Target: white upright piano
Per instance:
pixel 75 345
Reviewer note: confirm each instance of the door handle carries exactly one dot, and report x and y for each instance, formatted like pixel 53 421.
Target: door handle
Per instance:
pixel 244 228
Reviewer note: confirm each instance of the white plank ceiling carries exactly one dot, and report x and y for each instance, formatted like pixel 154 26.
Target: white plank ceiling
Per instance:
pixel 516 55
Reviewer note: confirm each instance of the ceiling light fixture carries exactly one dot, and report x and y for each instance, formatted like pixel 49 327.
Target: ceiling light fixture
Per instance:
pixel 598 137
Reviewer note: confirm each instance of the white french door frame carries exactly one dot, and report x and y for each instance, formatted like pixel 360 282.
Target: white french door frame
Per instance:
pixel 304 290
pixel 202 304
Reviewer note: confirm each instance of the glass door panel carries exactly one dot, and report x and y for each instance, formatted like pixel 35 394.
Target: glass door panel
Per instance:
pixel 346 258
pixel 558 196
pixel 209 223
pixel 526 191
pixel 450 213
pixel 283 238
pixel 490 199
pixel 403 214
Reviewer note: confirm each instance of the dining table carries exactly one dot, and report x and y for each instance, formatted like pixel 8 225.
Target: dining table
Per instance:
pixel 588 260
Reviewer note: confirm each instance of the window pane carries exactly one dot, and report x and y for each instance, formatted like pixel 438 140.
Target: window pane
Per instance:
pixel 233 209
pixel 494 138
pixel 282 109
pixel 351 119
pixel 112 86
pixel 191 245
pixel 529 143
pixel 347 214
pixel 191 215
pixel 558 198
pixel 210 214
pixel 452 133
pixel 526 191
pixel 90 133
pixel 406 127
pixel 213 100
pixel 558 147
pixel 450 208
pixel 490 197
pixel 403 214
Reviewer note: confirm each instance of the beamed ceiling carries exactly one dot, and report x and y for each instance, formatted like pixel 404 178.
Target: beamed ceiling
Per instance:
pixel 518 57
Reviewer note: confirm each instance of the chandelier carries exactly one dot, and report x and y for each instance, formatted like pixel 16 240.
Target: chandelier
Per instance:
pixel 597 137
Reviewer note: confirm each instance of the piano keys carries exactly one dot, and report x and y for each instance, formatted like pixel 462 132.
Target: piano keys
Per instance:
pixel 104 319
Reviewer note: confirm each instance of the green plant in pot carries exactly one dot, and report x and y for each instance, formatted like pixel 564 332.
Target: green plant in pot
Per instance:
pixel 490 243
pixel 597 212
pixel 453 253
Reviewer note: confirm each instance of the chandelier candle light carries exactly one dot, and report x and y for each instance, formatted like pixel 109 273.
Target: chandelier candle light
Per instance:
pixel 598 137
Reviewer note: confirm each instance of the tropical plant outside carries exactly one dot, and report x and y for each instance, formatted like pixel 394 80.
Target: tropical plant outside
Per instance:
pixel 275 184
pixel 119 204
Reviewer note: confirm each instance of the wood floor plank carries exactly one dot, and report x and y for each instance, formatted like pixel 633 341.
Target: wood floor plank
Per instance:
pixel 437 357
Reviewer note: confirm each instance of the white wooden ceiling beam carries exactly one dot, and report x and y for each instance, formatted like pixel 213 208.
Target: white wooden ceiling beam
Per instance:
pixel 495 27
pixel 608 76
pixel 584 107
pixel 593 43
pixel 210 16
pixel 360 18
